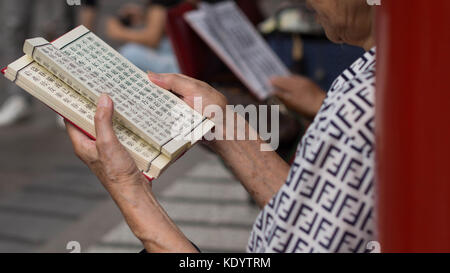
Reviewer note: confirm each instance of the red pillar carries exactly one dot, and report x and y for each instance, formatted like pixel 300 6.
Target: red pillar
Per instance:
pixel 413 125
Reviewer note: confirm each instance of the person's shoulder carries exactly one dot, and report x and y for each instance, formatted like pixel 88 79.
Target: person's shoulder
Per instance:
pixel 350 106
pixel 365 63
pixel 360 74
pixel 358 92
pixel 362 71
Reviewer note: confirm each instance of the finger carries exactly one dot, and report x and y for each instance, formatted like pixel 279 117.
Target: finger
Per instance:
pixel 103 123
pixel 153 74
pixel 284 96
pixel 290 83
pixel 179 84
pixel 280 82
pixel 83 146
pixel 74 132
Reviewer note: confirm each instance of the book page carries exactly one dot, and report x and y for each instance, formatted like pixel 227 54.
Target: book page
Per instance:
pixel 228 31
pixel 92 67
pixel 62 98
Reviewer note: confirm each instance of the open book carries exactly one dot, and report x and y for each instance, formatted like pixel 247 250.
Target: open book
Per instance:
pixel 70 74
pixel 225 28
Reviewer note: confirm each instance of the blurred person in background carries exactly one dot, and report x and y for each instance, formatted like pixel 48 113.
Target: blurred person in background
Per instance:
pixel 295 35
pixel 143 31
pixel 287 31
pixel 88 14
pixel 299 94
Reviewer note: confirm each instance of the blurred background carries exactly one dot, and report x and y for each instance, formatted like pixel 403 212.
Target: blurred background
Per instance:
pixel 48 198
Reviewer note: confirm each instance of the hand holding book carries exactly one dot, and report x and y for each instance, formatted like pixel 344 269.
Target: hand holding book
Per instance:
pixel 189 89
pixel 119 174
pixel 105 156
pixel 70 74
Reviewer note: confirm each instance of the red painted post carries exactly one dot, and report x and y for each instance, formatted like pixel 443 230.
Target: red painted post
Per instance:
pixel 413 125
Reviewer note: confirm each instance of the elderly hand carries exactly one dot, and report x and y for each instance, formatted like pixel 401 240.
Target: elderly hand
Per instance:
pixel 106 157
pixel 189 89
pixel 115 168
pixel 299 94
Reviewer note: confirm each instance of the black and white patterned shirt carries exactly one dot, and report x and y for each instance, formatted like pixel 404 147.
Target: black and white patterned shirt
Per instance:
pixel 327 202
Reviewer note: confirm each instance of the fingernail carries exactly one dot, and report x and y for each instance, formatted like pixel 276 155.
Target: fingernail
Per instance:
pixel 103 101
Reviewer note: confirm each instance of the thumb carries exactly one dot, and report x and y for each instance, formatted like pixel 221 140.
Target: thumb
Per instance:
pixel 103 121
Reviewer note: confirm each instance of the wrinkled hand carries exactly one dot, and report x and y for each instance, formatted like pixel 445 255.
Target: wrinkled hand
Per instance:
pixel 106 157
pixel 188 89
pixel 299 94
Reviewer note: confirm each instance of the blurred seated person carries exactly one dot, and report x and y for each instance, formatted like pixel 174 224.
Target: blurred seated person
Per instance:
pixel 143 31
pixel 297 38
pixel 88 14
